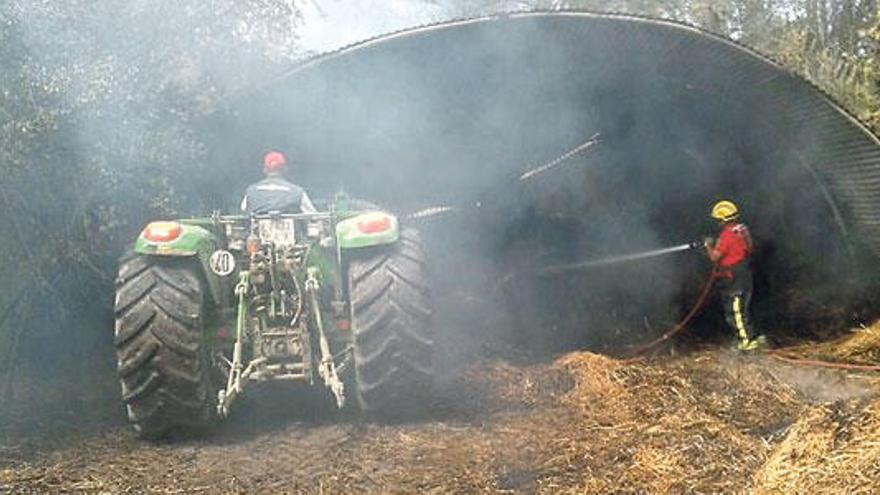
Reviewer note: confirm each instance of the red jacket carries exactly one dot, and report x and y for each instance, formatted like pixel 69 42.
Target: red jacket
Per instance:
pixel 735 246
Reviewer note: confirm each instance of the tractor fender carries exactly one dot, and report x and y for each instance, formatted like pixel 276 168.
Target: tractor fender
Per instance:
pixel 193 242
pixel 370 228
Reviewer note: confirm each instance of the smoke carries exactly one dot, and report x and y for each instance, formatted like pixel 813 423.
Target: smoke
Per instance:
pixel 454 115
pixel 162 110
pixel 336 23
pixel 99 105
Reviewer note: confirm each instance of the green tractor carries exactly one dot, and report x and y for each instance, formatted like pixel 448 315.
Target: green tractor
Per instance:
pixel 205 307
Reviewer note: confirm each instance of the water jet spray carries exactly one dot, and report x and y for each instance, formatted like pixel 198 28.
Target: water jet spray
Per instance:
pixel 613 260
pixel 602 262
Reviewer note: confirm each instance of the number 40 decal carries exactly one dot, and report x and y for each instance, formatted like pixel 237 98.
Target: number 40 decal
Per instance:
pixel 222 262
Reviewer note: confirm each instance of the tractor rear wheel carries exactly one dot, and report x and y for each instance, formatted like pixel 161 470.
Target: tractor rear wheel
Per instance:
pixel 163 364
pixel 391 320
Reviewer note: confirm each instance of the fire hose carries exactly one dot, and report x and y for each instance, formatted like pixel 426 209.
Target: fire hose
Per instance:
pixel 781 354
pixel 635 353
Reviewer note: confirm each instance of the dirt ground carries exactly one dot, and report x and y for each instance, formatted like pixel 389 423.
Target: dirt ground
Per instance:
pixel 708 421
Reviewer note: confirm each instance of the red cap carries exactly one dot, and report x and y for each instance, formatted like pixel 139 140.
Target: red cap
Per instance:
pixel 274 161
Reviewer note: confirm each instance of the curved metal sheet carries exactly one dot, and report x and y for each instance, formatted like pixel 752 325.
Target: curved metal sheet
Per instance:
pixel 443 114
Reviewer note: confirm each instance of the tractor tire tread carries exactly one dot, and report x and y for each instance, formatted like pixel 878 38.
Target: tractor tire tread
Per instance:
pixel 162 363
pixel 391 321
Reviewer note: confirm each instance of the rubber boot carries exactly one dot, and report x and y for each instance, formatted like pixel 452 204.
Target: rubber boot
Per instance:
pixel 759 343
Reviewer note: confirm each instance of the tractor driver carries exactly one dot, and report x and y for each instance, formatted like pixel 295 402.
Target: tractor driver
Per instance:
pixel 275 193
pixel 731 255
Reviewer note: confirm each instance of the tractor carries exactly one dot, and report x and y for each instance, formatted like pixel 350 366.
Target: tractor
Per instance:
pixel 206 307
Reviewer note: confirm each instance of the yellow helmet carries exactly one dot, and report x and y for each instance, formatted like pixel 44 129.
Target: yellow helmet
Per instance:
pixel 725 211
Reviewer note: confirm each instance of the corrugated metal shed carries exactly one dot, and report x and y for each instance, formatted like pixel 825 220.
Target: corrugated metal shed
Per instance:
pixel 444 113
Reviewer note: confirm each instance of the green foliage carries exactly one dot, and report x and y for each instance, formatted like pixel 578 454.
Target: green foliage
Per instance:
pixel 97 101
pixel 96 105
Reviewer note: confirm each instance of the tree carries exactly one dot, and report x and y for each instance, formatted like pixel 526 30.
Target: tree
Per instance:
pixel 97 101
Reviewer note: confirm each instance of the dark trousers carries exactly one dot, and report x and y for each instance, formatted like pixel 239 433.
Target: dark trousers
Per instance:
pixel 736 296
pixel 736 312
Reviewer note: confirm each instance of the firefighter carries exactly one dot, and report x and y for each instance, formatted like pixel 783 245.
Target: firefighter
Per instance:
pixel 275 193
pixel 731 255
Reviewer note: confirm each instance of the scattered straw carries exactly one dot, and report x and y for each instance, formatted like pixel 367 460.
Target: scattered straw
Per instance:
pixel 713 422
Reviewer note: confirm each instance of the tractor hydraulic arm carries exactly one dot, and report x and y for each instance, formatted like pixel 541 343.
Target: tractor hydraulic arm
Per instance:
pixel 327 370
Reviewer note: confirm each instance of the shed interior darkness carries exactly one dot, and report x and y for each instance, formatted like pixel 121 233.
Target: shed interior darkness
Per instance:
pixel 453 114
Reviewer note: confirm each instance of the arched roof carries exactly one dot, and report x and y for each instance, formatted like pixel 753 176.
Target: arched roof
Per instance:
pixel 443 113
